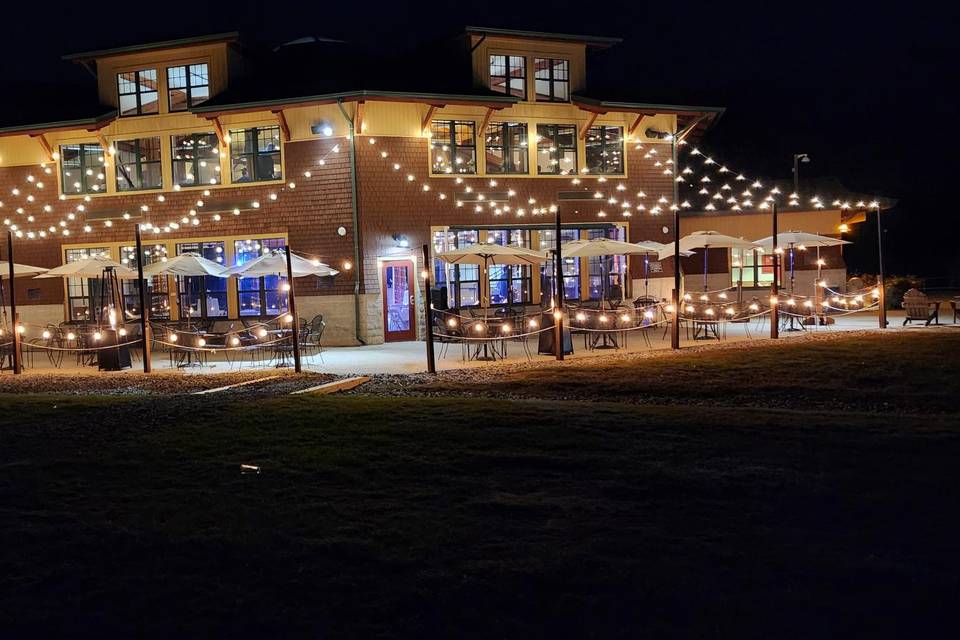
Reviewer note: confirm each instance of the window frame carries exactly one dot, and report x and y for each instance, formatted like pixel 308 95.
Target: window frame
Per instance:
pixel 558 151
pixel 283 299
pixel 256 154
pixel 139 165
pixel 196 160
pixel 551 80
pixel 506 147
pixel 454 146
pixel 158 291
pixel 188 86
pixel 183 291
pixel 138 93
pixel 508 78
pixel 600 130
pixel 87 286
pixel 84 190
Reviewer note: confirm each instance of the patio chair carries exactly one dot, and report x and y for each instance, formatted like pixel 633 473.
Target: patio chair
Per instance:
pixel 310 338
pixel 919 308
pixel 52 345
pixel 446 335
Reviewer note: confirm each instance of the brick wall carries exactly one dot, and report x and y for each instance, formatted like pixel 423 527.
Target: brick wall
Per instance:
pixel 310 214
pixel 390 204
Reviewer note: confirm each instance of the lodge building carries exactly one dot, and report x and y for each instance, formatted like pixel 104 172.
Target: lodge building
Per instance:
pixel 358 161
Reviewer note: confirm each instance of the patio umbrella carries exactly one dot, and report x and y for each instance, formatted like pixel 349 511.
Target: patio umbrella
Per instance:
pixel 19 270
pixel 184 265
pixel 89 268
pixel 606 247
pixel 483 253
pixel 799 240
pixel 275 263
pixel 107 270
pixel 707 240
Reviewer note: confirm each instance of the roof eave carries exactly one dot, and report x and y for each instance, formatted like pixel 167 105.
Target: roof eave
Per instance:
pixel 597 41
pixel 97 122
pixel 365 94
pixel 86 56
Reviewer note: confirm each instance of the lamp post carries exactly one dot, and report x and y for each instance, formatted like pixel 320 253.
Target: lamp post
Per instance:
pixel 144 307
pixel 797 159
pixel 428 297
pixel 882 315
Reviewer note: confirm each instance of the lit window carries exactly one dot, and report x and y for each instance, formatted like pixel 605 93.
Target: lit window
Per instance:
pixel 556 149
pixel 571 266
pixel 138 164
pixel 255 154
pixel 137 92
pixel 202 296
pixel 508 74
pixel 453 147
pixel 263 296
pixel 196 159
pixel 612 266
pixel 187 86
pixel 552 79
pixel 157 292
pixel 83 293
pixel 604 149
pixel 506 147
pixel 82 168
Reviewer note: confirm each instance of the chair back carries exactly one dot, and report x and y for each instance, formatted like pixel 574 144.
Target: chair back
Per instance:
pixel 915 304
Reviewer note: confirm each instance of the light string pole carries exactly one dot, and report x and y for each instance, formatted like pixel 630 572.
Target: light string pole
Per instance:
pixel 17 356
pixel 558 299
pixel 292 305
pixel 144 309
pixel 775 287
pixel 428 305
pixel 882 316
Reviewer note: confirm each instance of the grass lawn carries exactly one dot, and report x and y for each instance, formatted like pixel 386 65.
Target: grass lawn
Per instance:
pixel 661 508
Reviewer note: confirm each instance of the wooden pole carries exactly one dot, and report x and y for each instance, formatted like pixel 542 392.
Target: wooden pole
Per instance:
pixel 882 311
pixel 292 305
pixel 144 307
pixel 775 288
pixel 428 305
pixel 558 298
pixel 675 328
pixel 17 362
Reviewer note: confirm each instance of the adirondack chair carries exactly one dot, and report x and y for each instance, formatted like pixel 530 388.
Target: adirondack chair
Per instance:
pixel 919 308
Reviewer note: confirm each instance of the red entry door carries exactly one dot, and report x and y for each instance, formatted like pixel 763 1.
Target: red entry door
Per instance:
pixel 399 321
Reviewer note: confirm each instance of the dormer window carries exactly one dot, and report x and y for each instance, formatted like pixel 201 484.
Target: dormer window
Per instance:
pixel 137 92
pixel 508 75
pixel 552 79
pixel 187 86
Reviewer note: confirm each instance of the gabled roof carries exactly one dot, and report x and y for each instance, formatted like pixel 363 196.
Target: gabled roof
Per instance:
pixel 600 42
pixel 87 56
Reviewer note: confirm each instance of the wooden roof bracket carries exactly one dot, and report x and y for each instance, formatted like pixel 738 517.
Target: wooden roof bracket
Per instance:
pixel 486 118
pixel 45 145
pixel 589 123
pixel 103 141
pixel 284 127
pixel 636 123
pixel 358 118
pixel 221 136
pixel 427 119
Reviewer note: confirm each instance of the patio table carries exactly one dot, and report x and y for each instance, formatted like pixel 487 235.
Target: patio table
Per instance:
pixel 491 349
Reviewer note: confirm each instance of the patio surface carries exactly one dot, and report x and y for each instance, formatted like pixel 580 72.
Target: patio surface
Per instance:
pixel 410 357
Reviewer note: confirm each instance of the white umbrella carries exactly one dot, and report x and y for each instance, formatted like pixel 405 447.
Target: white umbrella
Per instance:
pixel 20 270
pixel 606 247
pixel 89 268
pixel 707 240
pixel 800 240
pixel 186 264
pixel 483 253
pixel 275 263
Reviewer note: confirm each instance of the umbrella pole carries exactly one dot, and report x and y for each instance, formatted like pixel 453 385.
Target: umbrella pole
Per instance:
pixel 17 362
pixel 292 306
pixel 706 253
pixel 646 276
pixel 144 310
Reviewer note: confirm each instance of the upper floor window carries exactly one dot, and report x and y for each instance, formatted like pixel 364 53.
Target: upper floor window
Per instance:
pixel 138 164
pixel 82 168
pixel 506 147
pixel 137 91
pixel 263 296
pixel 604 149
pixel 187 86
pixel 552 79
pixel 196 159
pixel 453 146
pixel 508 74
pixel 556 149
pixel 255 154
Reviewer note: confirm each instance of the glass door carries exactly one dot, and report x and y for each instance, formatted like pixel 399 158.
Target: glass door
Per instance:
pixel 398 301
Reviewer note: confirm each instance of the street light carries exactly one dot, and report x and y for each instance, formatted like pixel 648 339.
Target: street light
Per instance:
pixel 797 159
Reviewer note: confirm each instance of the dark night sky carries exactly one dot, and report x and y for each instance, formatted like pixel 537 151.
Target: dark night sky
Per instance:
pixel 867 91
